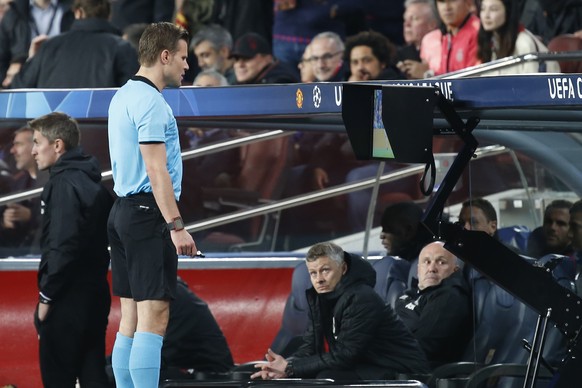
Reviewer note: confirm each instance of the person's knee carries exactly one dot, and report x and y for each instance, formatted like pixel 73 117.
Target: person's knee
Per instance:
pixel 153 316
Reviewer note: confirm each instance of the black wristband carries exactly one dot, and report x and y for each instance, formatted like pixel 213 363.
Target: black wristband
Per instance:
pixel 44 300
pixel 289 371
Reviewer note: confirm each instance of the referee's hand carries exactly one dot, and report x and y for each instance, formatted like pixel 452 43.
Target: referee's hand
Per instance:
pixel 184 243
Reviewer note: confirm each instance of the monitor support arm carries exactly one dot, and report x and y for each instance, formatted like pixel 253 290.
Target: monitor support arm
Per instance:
pixel 534 286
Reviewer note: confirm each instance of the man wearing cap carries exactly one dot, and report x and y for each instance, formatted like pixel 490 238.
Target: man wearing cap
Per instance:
pixel 254 62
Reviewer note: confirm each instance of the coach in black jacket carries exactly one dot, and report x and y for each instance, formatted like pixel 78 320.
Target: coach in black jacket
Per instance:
pixel 74 298
pixel 91 55
pixel 352 335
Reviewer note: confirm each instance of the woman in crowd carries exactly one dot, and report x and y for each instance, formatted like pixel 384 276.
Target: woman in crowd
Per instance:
pixel 501 35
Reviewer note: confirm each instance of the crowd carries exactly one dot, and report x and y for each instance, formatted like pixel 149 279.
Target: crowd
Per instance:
pixel 352 333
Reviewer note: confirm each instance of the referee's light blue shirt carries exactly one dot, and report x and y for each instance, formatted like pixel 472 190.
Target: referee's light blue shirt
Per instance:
pixel 139 113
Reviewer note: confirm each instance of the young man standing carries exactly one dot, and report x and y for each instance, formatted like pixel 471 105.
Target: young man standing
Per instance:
pixel 145 228
pixel 74 298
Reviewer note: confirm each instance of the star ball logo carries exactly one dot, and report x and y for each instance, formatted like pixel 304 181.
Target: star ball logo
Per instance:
pixel 299 98
pixel 316 96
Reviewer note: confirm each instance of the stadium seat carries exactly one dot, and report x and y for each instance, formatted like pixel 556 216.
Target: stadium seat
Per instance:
pixel 567 42
pixel 515 236
pixel 295 315
pixel 391 278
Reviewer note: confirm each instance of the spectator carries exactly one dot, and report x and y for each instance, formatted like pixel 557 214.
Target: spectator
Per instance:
pixel 370 55
pixel 501 35
pixel 327 49
pixel 553 236
pixel 193 339
pixel 304 66
pixel 479 214
pixel 254 62
pixel 420 18
pixel 459 36
pixel 212 46
pixel 20 220
pixel 351 335
pixel 126 12
pixel 92 45
pixel 575 232
pixel 402 234
pixel 242 16
pixel 72 276
pixel 4 5
pixel 438 312
pixel 24 21
pixel 132 33
pixel 557 17
pixel 297 22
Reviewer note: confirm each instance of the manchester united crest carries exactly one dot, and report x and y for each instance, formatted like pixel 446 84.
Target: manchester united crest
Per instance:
pixel 299 98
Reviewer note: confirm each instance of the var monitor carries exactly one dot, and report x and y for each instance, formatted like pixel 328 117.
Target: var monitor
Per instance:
pixel 389 121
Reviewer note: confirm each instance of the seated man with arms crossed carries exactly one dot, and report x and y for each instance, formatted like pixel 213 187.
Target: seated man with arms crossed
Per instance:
pixel 351 334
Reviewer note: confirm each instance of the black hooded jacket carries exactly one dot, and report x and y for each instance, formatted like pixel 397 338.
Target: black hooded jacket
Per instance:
pixel 75 208
pixel 365 335
pixel 440 317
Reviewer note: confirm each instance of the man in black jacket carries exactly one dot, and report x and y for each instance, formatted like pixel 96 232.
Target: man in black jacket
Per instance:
pixel 25 20
pixel 351 335
pixel 438 312
pixel 74 298
pixel 91 55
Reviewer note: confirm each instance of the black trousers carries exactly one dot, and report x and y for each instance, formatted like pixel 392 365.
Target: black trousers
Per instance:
pixel 72 338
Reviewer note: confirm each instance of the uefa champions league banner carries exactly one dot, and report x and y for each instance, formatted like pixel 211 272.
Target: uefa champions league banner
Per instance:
pixel 528 91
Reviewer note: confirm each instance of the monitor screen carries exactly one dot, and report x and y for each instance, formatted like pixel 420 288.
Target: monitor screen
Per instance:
pixel 381 147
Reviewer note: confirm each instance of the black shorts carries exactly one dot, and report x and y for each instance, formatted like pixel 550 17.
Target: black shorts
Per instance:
pixel 144 263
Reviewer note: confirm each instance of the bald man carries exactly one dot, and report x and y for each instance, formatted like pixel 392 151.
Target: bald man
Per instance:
pixel 438 312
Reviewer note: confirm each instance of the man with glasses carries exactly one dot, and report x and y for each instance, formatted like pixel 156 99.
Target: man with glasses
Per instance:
pixel 327 50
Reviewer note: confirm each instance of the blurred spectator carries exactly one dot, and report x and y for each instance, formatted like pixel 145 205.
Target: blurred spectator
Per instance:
pixel 24 21
pixel 459 36
pixel 4 4
pixel 20 221
pixel 501 35
pixel 243 16
pixel 296 22
pixel 327 50
pixel 554 235
pixel 402 234
pixel 92 45
pixel 420 18
pixel 212 46
pixel 370 56
pixel 194 14
pixel 438 312
pixel 304 66
pixel 557 17
pixel 132 33
pixel 385 16
pixel 126 12
pixel 254 62
pixel 576 236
